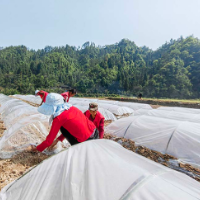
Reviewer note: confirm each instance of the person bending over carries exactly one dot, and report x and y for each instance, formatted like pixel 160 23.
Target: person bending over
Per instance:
pixel 70 93
pixel 42 94
pixel 72 123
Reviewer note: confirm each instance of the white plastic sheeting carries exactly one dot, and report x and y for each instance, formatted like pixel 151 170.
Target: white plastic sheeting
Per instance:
pixel 30 98
pixel 115 107
pixel 170 114
pixel 81 104
pixel 83 99
pixel 109 102
pixel 178 138
pixel 21 135
pixel 17 113
pixel 101 170
pixel 4 98
pixel 107 114
pixel 180 109
pixel 24 124
pixel 81 108
pixel 13 109
pixel 133 106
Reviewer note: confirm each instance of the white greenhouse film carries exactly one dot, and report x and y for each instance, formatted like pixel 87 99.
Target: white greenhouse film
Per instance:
pixel 111 172
pixel 106 113
pixel 181 109
pixel 24 126
pixel 171 114
pixel 177 138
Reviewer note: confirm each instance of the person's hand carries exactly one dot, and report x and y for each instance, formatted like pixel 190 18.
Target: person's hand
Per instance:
pixel 53 144
pixel 32 148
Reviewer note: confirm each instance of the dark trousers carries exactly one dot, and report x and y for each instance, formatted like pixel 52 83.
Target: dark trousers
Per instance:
pixel 72 140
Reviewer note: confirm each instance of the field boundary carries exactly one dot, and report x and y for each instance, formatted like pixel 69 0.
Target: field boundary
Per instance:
pixel 160 102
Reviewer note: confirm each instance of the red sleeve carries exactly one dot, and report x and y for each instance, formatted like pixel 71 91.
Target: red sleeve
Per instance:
pixel 85 113
pixel 41 95
pixel 45 96
pixel 52 135
pixel 61 138
pixel 65 96
pixel 101 129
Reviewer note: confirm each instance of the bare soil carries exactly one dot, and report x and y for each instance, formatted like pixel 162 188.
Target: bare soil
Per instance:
pixel 107 122
pixel 164 159
pixel 13 168
pixel 122 116
pixel 154 106
pixel 30 103
pixel 2 128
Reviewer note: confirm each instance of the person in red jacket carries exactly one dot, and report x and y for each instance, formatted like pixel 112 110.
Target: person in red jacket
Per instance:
pixel 42 94
pixel 72 123
pixel 68 94
pixel 96 117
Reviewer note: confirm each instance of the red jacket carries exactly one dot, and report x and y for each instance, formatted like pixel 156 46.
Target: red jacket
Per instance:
pixel 66 96
pixel 98 122
pixel 41 95
pixel 72 120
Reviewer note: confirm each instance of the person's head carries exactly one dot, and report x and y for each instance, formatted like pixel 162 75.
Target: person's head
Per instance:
pixel 72 92
pixel 36 92
pixel 93 108
pixel 54 105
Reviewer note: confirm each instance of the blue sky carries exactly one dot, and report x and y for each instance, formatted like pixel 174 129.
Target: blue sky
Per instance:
pixel 38 23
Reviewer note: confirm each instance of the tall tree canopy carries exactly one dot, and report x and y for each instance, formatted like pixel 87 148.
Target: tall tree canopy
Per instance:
pixel 172 71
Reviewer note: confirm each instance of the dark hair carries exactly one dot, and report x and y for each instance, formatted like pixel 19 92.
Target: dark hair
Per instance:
pixel 73 91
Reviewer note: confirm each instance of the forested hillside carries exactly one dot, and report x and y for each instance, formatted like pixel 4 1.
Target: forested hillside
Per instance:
pixel 172 71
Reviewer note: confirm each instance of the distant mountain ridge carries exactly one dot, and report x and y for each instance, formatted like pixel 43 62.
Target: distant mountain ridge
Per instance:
pixel 171 71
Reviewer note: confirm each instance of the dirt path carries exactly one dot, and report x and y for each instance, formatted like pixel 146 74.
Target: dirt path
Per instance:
pixel 30 103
